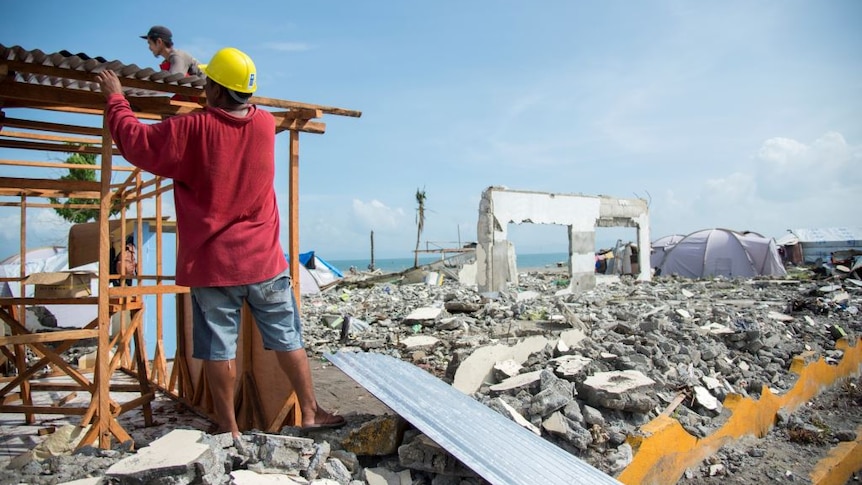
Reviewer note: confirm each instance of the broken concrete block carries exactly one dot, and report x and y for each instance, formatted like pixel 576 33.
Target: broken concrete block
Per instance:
pixel 451 323
pixel 615 390
pixel 347 458
pixel 335 471
pixel 711 382
pixel 571 365
pixel 378 437
pixel 515 416
pixel 417 342
pixel 462 307
pixel 421 453
pixel 549 400
pixel 573 411
pixel 573 337
pixel 282 451
pixel 248 477
pixel 520 381
pixel 476 368
pixel 423 316
pixel 556 424
pixel 178 455
pixel 384 476
pixel 506 370
pixel 86 481
pixel 619 458
pixel 561 348
pixel 683 313
pixel 706 399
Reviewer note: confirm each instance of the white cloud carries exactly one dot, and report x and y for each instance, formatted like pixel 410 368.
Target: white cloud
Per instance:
pixel 735 189
pixel 788 169
pixel 44 228
pixel 375 215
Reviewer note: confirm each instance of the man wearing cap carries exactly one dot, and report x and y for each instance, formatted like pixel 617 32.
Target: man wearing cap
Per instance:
pixel 222 162
pixel 160 41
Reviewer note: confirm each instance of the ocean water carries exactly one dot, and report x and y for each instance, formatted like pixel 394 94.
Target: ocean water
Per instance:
pixel 394 265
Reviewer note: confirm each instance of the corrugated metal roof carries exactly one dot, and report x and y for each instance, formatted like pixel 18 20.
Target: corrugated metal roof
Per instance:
pixel 64 69
pixel 843 235
pixel 495 447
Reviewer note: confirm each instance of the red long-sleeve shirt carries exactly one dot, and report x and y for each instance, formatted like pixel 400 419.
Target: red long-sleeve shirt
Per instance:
pixel 223 168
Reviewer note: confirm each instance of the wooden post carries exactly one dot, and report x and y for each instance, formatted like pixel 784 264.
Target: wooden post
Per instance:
pixel 101 375
pixel 293 218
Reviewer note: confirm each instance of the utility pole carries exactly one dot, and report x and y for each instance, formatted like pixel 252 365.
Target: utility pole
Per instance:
pixel 371 265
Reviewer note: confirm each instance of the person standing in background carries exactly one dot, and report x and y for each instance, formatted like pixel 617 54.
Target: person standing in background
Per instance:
pixel 161 44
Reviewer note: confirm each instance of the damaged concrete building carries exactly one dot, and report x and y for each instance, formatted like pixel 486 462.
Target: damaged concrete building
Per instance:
pixel 581 214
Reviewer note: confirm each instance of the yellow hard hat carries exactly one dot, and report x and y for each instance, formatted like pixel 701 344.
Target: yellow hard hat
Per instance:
pixel 233 69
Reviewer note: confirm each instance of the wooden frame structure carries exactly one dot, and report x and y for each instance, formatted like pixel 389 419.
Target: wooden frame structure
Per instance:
pixel 64 83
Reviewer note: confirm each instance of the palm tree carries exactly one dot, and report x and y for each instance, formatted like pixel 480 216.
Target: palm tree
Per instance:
pixel 420 223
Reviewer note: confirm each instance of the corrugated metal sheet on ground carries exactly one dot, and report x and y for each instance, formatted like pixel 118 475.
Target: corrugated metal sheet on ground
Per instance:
pixel 493 446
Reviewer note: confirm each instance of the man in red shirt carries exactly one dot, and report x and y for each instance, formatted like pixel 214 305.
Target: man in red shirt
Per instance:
pixel 222 162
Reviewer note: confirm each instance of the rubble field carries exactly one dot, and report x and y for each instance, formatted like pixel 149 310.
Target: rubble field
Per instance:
pixel 594 367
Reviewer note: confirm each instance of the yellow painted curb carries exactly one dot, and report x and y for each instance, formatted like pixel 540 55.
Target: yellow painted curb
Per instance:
pixel 843 460
pixel 666 449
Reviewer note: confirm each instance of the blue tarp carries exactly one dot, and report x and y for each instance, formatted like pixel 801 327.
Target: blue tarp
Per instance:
pixel 309 260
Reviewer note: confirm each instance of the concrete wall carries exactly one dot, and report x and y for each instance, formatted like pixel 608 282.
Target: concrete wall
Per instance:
pixel 500 207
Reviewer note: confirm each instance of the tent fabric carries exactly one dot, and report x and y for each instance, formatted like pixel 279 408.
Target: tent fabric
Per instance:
pixel 315 273
pixel 660 246
pixel 722 252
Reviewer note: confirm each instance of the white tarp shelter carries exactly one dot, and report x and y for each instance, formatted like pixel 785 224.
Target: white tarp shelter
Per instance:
pixel 821 243
pixel 46 260
pixel 722 252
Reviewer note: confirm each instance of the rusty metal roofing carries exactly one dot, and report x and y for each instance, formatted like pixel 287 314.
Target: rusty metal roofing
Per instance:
pixel 67 70
pixel 493 446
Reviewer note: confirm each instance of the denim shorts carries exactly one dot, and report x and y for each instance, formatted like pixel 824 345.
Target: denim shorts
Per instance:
pixel 216 317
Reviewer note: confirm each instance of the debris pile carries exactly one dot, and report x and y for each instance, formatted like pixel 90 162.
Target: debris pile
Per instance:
pixel 584 371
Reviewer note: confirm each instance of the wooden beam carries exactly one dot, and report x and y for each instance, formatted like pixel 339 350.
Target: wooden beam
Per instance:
pixel 281 103
pixel 299 114
pixel 46 126
pixel 28 163
pixel 48 337
pixel 282 124
pixel 51 147
pixel 12 103
pixel 54 138
pixel 61 186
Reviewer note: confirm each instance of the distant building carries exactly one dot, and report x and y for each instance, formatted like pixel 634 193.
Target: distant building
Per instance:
pixel 821 243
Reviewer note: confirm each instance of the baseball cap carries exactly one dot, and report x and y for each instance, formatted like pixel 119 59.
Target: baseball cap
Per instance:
pixel 158 31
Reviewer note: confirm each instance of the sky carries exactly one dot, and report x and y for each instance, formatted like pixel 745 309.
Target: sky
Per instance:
pixel 744 115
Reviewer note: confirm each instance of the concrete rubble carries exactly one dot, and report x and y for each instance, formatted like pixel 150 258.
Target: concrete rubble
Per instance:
pixel 584 371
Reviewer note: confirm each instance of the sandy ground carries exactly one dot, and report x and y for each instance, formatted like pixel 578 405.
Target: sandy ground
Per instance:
pixel 338 392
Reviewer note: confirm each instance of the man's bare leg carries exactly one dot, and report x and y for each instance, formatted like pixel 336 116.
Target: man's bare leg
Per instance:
pixel 221 376
pixel 295 365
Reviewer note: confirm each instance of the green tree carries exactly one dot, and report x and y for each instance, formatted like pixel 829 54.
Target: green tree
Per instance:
pixel 420 222
pixel 77 215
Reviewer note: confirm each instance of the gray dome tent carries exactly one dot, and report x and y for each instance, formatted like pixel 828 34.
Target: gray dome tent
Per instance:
pixel 660 246
pixel 722 252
